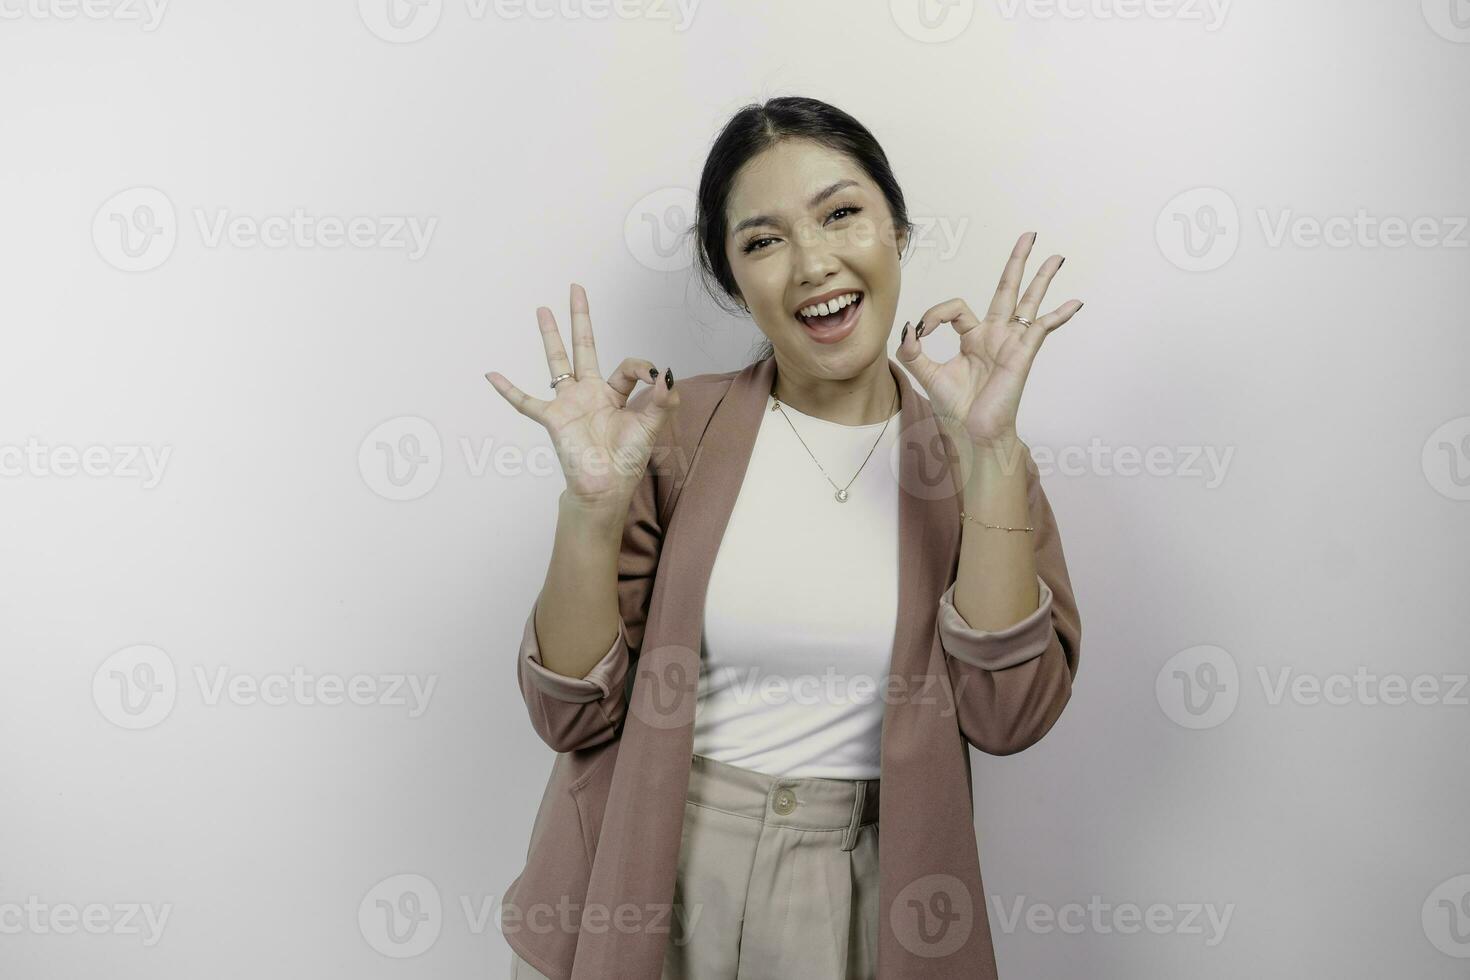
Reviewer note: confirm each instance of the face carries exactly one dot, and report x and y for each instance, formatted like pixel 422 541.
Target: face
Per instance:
pixel 806 222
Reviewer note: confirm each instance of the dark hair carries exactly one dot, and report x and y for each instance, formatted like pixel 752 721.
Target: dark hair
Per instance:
pixel 754 129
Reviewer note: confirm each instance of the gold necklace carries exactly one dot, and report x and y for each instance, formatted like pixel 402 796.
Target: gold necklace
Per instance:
pixel 841 494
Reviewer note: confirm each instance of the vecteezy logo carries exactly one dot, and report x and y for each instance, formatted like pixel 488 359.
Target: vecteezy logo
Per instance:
pixel 1199 229
pixel 401 21
pixel 135 230
pixel 663 684
pixel 1198 687
pixel 401 916
pixel 656 229
pixel 932 21
pixel 1446 916
pixel 402 458
pixel 136 687
pixel 1446 459
pixel 1450 19
pixel 926 464
pixel 933 915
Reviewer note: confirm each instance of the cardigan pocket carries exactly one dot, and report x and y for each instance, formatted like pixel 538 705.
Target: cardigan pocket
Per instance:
pixel 590 791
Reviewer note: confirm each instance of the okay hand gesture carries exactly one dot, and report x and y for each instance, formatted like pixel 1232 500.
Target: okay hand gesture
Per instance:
pixel 980 387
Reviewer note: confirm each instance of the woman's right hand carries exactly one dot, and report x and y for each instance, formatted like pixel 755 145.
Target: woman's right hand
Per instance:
pixel 603 446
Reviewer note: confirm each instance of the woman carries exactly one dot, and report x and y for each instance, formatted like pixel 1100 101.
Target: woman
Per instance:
pixel 806 625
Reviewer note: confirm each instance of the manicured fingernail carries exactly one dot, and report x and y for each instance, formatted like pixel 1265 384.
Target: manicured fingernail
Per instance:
pixel 653 373
pixel 669 379
pixel 903 336
pixel 1063 262
pixel 919 330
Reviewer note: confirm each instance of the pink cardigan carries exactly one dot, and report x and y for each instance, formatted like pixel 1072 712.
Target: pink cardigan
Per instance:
pixel 595 898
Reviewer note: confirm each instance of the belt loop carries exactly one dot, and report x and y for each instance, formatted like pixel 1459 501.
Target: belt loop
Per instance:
pixel 849 839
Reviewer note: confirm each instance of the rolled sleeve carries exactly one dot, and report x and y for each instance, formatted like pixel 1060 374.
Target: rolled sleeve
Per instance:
pixel 997 649
pixel 605 676
pixel 571 713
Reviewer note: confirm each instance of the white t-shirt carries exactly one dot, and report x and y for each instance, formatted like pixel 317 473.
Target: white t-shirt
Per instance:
pixel 802 604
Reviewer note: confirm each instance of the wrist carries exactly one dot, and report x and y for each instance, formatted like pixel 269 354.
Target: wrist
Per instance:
pixel 601 518
pixel 1004 455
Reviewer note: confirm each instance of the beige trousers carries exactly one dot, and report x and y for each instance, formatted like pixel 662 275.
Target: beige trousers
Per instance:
pixel 777 879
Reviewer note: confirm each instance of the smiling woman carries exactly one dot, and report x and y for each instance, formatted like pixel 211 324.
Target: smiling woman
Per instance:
pixel 852 627
pixel 793 192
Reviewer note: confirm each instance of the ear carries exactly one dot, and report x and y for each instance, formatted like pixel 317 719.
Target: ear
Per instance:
pixel 903 241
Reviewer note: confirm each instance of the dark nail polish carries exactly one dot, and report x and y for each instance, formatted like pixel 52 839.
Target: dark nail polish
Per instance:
pixel 1063 262
pixel 653 373
pixel 905 335
pixel 669 379
pixel 919 330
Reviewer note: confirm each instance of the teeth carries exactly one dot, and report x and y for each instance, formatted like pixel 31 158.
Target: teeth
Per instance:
pixel 831 306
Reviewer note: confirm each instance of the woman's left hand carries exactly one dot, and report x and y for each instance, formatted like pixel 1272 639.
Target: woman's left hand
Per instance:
pixel 980 387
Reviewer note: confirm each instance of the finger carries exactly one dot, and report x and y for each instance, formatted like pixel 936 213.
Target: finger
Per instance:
pixel 655 406
pixel 1031 337
pixel 584 349
pixel 531 408
pixel 1054 319
pixel 911 355
pixel 1031 302
pixel 955 311
pixel 1004 301
pixel 556 354
pixel 631 371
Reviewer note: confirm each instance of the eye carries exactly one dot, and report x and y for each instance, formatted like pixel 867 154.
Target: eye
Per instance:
pixel 754 245
pixel 750 246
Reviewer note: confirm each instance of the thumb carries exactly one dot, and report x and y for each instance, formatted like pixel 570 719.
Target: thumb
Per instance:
pixel 657 403
pixel 911 355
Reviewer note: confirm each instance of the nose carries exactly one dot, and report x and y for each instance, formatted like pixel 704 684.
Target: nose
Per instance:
pixel 815 261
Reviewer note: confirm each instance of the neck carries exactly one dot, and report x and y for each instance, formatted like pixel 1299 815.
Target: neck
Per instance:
pixel 866 399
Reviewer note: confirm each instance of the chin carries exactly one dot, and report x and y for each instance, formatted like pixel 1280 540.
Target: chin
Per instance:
pixel 845 359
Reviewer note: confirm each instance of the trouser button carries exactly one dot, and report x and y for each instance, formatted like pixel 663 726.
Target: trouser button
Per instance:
pixel 784 801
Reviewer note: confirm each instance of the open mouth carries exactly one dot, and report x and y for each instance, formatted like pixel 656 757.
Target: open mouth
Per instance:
pixel 833 326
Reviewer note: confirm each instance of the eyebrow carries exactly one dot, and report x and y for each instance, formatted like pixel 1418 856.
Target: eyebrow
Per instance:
pixel 818 198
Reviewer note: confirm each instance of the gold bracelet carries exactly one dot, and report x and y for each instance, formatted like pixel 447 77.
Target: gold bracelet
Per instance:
pixel 967 517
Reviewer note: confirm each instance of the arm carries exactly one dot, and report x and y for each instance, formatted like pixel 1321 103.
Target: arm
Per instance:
pixel 587 622
pixel 1009 624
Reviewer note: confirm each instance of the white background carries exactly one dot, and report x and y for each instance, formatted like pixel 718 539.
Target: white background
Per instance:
pixel 539 150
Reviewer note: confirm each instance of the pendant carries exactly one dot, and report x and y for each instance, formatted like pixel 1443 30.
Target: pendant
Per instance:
pixel 841 496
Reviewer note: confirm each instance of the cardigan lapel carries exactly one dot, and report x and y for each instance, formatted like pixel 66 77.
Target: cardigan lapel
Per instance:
pixel 638 849
pixel 926 795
